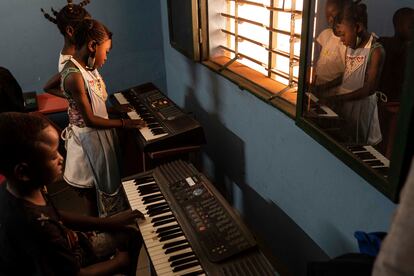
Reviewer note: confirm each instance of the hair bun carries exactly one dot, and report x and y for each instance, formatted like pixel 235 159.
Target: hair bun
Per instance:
pixel 84 3
pixel 362 7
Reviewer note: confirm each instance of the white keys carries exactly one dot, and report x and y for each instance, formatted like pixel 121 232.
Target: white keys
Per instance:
pixel 377 155
pixel 133 115
pixel 156 252
pixel 120 98
pixel 145 131
pixel 148 135
pixel 329 112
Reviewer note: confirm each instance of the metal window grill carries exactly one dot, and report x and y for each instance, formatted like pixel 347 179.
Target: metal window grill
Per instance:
pixel 272 26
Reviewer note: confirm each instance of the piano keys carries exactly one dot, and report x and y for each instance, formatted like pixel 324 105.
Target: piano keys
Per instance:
pixel 372 158
pixel 208 239
pixel 167 125
pixel 320 110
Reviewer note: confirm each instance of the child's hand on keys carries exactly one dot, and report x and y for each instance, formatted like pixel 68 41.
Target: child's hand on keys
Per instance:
pixel 134 123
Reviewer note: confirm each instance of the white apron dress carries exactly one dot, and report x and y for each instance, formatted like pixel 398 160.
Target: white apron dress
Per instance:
pixel 92 154
pixel 331 61
pixel 361 115
pixel 62 61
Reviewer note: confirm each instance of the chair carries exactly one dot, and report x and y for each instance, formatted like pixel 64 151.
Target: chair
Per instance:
pixel 11 94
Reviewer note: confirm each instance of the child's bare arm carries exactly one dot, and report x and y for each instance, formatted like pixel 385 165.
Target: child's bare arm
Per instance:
pixel 52 86
pixel 321 89
pixel 75 85
pixel 88 223
pixel 371 80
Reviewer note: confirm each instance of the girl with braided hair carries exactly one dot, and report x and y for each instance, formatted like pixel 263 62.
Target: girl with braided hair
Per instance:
pixel 355 99
pixel 91 141
pixel 67 20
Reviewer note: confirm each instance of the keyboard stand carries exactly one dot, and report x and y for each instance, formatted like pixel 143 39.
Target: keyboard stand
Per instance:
pixel 152 159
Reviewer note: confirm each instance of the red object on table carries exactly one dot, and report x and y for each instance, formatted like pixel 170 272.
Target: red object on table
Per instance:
pixel 49 103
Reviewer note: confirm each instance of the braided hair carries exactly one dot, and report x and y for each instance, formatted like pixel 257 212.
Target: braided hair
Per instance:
pixel 21 142
pixel 69 15
pixel 91 29
pixel 355 12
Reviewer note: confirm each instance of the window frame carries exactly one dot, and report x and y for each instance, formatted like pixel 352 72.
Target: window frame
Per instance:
pixel 403 151
pixel 248 80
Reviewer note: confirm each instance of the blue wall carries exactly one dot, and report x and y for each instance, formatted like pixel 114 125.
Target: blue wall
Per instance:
pixel 269 168
pixel 30 45
pixel 255 149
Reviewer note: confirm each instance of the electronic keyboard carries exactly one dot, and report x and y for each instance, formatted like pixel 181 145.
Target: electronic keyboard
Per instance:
pixel 167 126
pixel 190 229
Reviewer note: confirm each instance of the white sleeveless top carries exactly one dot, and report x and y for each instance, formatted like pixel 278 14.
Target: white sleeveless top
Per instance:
pixel 62 61
pixel 331 61
pixel 362 114
pixel 96 90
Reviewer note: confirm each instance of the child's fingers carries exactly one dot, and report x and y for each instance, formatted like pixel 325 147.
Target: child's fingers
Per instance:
pixel 138 214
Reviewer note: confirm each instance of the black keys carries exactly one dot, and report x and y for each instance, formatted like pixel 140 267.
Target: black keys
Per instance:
pixel 374 163
pixel 157 131
pixel 172 244
pixel 148 189
pixel 158 223
pixel 195 273
pixel 152 198
pixel 172 236
pixel 184 261
pixel 166 228
pixel 180 256
pixel 185 266
pixel 177 248
pixel 365 155
pixel 144 180
pixel 161 218
pixel 356 148
pixel 169 232
pixel 156 205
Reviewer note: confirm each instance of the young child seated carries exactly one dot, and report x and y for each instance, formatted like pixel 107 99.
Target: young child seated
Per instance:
pixel 35 237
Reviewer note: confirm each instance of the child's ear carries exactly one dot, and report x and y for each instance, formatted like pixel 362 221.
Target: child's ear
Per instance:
pixel 69 31
pixel 359 28
pixel 22 172
pixel 92 46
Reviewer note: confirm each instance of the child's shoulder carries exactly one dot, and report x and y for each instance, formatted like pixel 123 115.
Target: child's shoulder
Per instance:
pixel 68 69
pixel 325 36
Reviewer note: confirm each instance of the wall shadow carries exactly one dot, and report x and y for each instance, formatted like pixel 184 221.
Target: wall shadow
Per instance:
pixel 291 247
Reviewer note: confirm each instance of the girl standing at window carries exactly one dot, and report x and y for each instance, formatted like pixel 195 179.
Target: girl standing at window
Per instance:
pixel 356 98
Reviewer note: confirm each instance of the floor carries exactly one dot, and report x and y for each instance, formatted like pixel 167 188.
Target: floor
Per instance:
pixel 67 199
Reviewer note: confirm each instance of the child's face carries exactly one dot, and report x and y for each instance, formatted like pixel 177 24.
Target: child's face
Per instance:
pixel 51 167
pixel 405 28
pixel 347 32
pixel 331 11
pixel 102 51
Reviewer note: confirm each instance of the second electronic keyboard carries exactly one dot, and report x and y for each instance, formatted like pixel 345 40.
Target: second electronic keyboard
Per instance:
pixel 167 125
pixel 371 157
pixel 189 228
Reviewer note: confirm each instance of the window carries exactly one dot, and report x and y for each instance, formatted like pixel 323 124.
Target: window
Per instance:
pixel 275 49
pixel 258 41
pixel 370 130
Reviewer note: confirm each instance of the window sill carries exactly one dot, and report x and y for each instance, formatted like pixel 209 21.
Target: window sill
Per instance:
pixel 262 87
